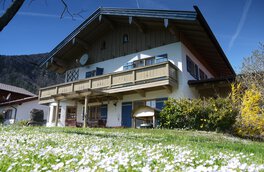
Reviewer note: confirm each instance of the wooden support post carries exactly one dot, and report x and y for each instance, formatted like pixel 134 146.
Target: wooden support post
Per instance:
pixel 85 112
pixel 154 122
pixel 134 76
pixel 134 122
pixel 57 113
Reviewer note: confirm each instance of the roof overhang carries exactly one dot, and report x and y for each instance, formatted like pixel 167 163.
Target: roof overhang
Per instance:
pixel 229 79
pixel 18 101
pixel 190 24
pixel 213 87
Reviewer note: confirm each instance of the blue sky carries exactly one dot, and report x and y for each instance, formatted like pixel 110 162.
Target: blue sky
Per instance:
pixel 37 28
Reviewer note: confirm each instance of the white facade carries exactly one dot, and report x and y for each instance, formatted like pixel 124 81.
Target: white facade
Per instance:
pixel 22 111
pixel 176 53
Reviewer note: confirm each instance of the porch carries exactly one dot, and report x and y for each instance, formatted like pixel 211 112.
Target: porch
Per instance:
pixel 110 87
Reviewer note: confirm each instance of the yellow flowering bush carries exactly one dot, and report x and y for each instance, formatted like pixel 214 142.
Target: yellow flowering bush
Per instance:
pixel 250 122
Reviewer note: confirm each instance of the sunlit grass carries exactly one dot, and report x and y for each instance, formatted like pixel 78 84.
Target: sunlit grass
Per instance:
pixel 78 149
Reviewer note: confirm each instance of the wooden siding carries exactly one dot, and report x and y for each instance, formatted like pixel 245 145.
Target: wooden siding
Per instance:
pixel 115 47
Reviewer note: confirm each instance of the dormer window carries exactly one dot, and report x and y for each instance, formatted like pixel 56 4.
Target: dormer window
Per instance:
pixel 125 38
pixel 103 45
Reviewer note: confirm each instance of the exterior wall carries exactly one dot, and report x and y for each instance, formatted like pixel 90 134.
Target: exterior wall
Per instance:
pixel 115 65
pixel 176 54
pixel 23 110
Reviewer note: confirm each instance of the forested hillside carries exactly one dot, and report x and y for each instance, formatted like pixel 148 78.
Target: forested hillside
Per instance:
pixel 24 71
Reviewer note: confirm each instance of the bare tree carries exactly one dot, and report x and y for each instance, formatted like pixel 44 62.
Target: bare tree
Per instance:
pixel 10 13
pixel 252 71
pixel 16 4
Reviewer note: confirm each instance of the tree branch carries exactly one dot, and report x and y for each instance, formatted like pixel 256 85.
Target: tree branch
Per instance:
pixel 10 13
pixel 66 9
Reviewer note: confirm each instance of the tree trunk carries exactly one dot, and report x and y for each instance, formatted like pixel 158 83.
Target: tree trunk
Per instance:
pixel 10 13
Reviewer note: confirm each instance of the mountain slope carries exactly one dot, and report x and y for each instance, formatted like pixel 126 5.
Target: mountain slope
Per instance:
pixel 24 71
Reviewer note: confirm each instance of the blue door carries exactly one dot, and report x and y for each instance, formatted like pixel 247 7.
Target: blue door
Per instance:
pixel 126 114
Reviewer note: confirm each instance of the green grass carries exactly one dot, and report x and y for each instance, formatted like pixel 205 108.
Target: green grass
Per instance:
pixel 29 142
pixel 197 139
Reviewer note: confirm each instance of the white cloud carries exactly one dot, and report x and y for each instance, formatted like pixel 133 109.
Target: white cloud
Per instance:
pixel 240 24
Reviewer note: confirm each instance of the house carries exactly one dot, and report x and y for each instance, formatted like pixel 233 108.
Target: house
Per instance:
pixel 121 59
pixel 16 103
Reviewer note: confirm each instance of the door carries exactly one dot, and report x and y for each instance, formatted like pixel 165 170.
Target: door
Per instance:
pixel 71 116
pixel 126 114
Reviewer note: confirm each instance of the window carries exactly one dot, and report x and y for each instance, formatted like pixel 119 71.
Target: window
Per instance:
pixel 139 63
pixel 125 38
pixel 151 103
pixel 8 114
pixel 150 61
pixel 103 45
pixel 104 112
pixel 129 65
pixel 202 75
pixel 161 58
pixel 192 68
pixel 196 72
pixel 90 74
pixel 72 75
pixel 97 72
pixel 95 112
pixel 160 103
pixel 146 61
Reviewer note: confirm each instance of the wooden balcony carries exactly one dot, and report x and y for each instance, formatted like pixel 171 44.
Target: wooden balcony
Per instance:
pixel 162 75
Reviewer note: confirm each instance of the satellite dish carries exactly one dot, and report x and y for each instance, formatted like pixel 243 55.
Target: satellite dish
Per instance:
pixel 83 60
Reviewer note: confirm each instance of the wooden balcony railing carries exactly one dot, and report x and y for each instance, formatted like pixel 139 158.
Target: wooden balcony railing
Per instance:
pixel 143 75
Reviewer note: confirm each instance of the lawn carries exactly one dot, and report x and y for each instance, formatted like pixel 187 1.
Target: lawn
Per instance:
pixel 77 149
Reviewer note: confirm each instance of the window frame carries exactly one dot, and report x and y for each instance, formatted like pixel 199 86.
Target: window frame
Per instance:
pixel 192 68
pixel 8 114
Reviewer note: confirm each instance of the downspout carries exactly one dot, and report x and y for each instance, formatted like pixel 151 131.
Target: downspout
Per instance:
pixel 15 112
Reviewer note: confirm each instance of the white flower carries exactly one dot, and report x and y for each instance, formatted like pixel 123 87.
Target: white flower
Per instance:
pixel 58 166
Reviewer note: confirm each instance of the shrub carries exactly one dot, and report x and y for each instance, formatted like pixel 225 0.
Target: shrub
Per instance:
pixel 207 114
pixel 36 115
pixel 1 118
pixel 21 123
pixel 222 114
pixel 250 122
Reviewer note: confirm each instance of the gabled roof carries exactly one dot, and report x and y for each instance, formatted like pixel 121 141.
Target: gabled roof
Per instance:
pixel 15 89
pixel 191 23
